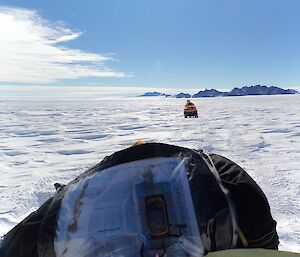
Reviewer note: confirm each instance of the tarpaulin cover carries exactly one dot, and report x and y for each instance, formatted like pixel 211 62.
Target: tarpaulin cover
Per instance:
pixel 105 205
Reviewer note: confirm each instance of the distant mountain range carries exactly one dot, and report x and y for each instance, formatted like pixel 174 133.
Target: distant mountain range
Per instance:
pixel 252 90
pixel 154 94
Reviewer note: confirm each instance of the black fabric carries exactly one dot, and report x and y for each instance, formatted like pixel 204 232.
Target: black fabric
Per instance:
pixel 21 241
pixel 48 226
pixel 34 237
pixel 252 208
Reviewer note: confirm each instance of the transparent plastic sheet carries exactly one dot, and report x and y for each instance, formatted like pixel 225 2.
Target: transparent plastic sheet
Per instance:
pixel 105 214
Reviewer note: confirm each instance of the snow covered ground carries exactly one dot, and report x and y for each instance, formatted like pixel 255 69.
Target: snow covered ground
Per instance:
pixel 54 140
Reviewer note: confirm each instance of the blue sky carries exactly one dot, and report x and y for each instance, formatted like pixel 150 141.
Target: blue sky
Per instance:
pixel 155 43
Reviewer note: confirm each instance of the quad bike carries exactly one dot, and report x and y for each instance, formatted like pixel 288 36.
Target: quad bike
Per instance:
pixel 190 111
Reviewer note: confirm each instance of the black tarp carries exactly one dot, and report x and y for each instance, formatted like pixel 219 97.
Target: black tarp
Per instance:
pixel 34 236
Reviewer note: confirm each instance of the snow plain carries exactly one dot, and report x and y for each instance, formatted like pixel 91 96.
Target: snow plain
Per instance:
pixel 54 140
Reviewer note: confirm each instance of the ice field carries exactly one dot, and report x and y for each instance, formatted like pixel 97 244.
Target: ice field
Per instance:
pixel 54 140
